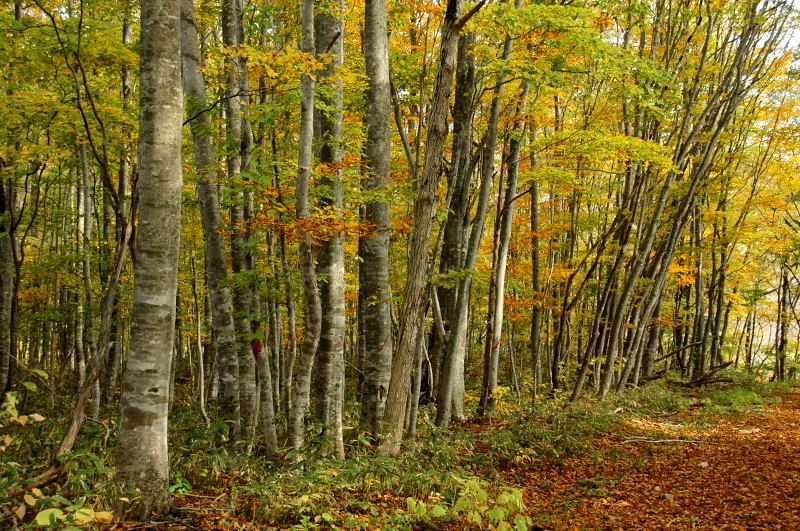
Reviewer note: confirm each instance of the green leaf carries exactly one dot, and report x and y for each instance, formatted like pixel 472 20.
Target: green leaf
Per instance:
pixel 497 514
pixel 30 386
pixel 438 511
pixel 48 517
pixel 522 523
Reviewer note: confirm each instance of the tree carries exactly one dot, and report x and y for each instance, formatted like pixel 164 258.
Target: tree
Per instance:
pixel 424 210
pixel 328 27
pixel 374 290
pixel 142 456
pixel 313 305
pixel 215 252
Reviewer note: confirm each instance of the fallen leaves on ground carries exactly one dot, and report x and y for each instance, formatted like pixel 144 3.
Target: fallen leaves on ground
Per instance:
pixel 675 471
pixel 734 473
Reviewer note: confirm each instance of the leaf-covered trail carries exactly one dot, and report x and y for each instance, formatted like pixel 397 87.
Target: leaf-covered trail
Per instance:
pixel 744 475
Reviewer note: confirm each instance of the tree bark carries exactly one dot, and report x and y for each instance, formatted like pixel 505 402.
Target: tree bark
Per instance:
pixel 142 457
pixel 328 130
pixel 302 389
pixel 424 211
pixel 237 155
pixel 6 285
pixel 216 260
pixel 374 289
pixel 504 221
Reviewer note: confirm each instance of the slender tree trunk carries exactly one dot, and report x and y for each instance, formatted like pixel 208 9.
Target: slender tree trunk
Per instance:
pixel 698 335
pixel 536 312
pixel 89 337
pixel 782 328
pixel 237 131
pixel 505 221
pixel 142 457
pixel 456 227
pixel 328 130
pixel 288 366
pixel 216 260
pixel 115 351
pixel 6 285
pixel 424 211
pixel 374 289
pixel 302 389
pixel 198 328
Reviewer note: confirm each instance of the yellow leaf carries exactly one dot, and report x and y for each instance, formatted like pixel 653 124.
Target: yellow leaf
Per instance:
pixel 84 515
pixel 20 511
pixel 36 417
pixel 30 500
pixel 36 492
pixel 104 517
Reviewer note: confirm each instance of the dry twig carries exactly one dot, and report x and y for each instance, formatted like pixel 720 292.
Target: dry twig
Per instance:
pixel 668 441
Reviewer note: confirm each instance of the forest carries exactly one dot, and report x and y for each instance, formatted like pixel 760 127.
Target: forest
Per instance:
pixel 436 264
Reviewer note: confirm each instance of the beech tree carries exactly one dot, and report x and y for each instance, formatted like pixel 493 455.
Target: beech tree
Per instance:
pixel 313 305
pixel 142 456
pixel 374 302
pixel 215 252
pixel 329 376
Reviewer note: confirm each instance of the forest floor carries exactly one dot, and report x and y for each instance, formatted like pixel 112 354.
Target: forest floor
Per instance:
pixel 682 471
pixel 713 459
pixel 658 457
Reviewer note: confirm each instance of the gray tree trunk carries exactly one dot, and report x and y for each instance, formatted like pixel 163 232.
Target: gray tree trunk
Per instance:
pixel 374 289
pixel 6 286
pixel 302 388
pixel 216 261
pixel 237 133
pixel 495 327
pixel 424 212
pixel 115 351
pixel 456 229
pixel 85 230
pixel 142 457
pixel 329 365
pixel 536 312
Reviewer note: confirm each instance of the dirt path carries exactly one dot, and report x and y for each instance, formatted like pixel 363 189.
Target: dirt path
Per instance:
pixel 746 475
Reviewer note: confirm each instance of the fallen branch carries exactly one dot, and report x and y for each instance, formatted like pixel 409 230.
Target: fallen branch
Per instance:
pixel 708 377
pixel 651 377
pixel 215 498
pixel 55 471
pixel 668 441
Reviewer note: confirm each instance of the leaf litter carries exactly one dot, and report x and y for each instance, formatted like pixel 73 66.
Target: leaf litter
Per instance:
pixel 725 471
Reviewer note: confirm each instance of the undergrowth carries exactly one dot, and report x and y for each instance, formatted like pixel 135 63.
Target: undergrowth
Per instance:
pixel 439 479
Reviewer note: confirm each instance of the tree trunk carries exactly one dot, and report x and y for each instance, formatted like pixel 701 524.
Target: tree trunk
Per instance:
pixel 504 220
pixel 328 130
pixel 456 227
pixel 6 285
pixel 237 131
pixel 536 312
pixel 424 212
pixel 89 336
pixel 302 389
pixel 374 289
pixel 142 457
pixel 782 328
pixel 216 261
